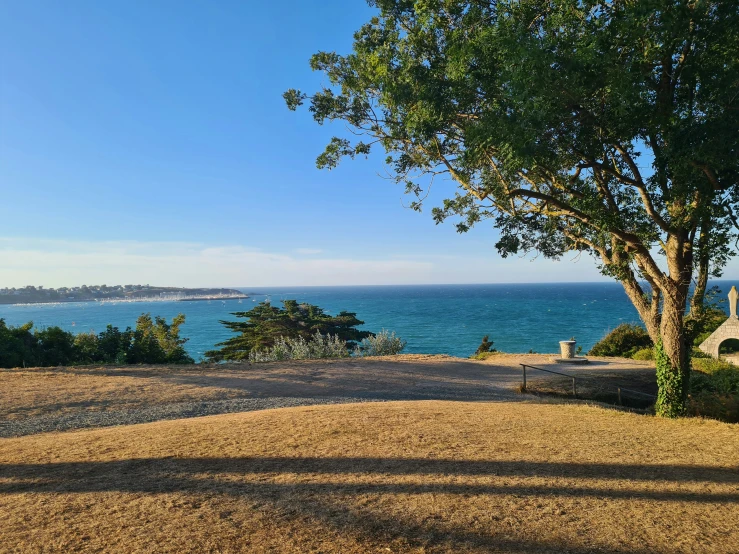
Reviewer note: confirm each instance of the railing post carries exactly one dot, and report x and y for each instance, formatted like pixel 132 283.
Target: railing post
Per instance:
pixel 524 376
pixel 574 387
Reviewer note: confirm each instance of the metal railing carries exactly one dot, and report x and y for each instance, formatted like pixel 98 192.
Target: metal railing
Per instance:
pixel 617 388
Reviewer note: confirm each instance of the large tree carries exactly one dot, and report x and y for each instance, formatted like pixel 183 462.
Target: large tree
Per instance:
pixel 263 325
pixel 601 126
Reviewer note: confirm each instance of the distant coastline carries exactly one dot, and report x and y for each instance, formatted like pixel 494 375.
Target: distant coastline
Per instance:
pixel 114 294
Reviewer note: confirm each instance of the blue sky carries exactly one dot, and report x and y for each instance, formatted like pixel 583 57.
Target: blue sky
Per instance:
pixel 149 142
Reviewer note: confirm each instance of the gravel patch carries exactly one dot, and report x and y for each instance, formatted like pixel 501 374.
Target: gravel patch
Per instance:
pixel 179 410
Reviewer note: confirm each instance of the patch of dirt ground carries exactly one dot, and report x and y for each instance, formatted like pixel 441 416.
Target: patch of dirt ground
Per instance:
pixel 54 391
pixel 420 477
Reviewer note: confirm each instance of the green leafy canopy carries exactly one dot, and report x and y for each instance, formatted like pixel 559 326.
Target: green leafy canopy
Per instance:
pixel 600 126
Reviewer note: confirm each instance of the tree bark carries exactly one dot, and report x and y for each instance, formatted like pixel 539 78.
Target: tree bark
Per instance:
pixel 673 353
pixel 704 255
pixel 648 309
pixel 699 294
pixel 673 361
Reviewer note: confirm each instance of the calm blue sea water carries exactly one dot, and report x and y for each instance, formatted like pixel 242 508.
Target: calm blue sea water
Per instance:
pixel 434 319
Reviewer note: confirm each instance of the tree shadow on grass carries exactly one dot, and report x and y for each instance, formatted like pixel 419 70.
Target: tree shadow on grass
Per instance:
pixel 328 488
pixel 176 474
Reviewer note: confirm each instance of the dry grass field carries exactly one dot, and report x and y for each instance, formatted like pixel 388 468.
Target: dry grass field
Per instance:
pixel 55 391
pixel 421 477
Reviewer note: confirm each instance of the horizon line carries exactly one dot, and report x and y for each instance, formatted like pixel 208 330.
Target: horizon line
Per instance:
pixel 615 282
pixel 241 287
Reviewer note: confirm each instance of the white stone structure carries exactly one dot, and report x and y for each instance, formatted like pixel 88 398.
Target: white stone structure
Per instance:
pixel 728 330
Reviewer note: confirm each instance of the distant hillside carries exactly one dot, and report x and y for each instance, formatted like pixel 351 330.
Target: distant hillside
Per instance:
pixel 84 293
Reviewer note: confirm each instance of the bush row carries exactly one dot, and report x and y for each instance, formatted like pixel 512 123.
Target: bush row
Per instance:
pixel 151 342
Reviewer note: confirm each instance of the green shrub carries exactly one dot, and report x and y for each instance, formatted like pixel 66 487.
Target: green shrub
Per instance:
pixel 152 342
pixel 724 407
pixel 712 375
pixel 625 340
pixel 319 346
pixel 156 341
pixel 698 340
pixel 714 390
pixel 383 343
pixel 485 346
pixel 485 350
pixel 710 365
pixel 698 353
pixel 86 345
pixel 55 347
pixel 17 345
pixel 644 354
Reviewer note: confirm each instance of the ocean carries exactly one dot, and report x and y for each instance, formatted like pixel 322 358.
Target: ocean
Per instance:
pixel 433 319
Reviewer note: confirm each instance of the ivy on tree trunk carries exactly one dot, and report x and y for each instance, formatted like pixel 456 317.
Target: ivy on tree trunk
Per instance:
pixel 672 383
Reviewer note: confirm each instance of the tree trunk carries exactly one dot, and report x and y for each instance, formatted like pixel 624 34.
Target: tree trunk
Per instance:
pixel 672 351
pixel 703 255
pixel 673 362
pixel 648 309
pixel 699 294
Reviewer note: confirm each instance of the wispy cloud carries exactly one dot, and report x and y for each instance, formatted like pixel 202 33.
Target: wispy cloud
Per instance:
pixel 57 263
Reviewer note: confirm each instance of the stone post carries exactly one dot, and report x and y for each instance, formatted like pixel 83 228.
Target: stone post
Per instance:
pixel 733 296
pixel 567 348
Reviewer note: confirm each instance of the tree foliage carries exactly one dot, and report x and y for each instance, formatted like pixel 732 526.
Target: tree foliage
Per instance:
pixel 601 127
pixel 151 342
pixel 266 324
